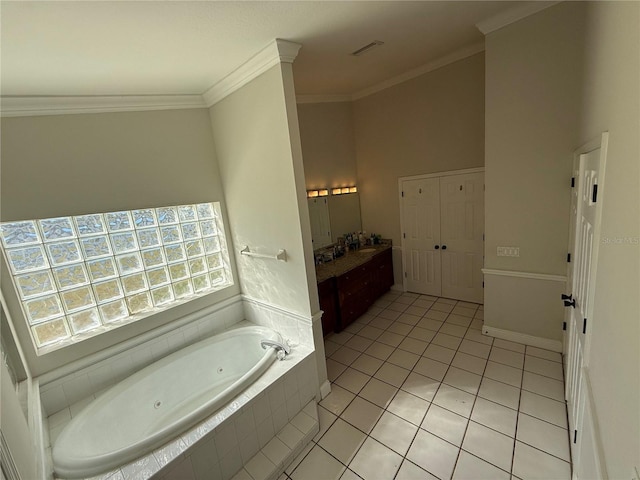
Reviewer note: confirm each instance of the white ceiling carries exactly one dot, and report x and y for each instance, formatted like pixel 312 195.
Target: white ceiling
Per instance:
pixel 59 48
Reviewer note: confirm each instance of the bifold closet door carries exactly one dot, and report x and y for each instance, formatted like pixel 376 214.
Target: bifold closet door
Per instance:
pixel 443 228
pixel 461 232
pixel 421 236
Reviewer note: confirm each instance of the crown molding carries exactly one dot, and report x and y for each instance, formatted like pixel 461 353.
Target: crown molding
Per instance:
pixel 512 15
pixel 11 106
pixel 323 98
pixel 429 67
pixel 278 51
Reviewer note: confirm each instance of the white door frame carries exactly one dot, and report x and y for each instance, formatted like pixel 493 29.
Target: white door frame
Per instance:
pixel 420 177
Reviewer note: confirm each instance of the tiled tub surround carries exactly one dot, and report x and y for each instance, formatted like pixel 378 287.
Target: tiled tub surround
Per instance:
pixel 276 397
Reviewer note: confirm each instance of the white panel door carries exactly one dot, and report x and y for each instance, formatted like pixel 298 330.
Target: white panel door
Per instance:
pixel 462 230
pixel 421 236
pixel 586 230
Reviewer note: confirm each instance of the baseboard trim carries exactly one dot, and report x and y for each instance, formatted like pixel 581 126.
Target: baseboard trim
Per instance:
pixel 325 388
pixel 540 342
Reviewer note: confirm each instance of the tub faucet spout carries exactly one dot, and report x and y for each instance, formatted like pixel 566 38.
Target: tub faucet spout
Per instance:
pixel 282 349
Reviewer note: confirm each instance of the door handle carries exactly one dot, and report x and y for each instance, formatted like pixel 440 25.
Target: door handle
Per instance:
pixel 565 297
pixel 437 247
pixel 571 303
pixel 444 247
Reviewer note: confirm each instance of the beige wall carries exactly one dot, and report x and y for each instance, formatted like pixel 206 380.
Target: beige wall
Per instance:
pixel 533 71
pixel 611 101
pixel 267 208
pixel 555 81
pixel 328 144
pixel 73 164
pixel 429 124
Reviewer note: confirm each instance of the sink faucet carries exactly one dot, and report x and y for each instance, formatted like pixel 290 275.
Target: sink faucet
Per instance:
pixel 282 349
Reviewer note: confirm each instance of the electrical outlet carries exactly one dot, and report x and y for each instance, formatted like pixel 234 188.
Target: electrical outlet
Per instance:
pixel 508 251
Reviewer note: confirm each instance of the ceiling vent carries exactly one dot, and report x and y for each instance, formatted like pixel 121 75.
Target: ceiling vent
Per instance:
pixel 367 48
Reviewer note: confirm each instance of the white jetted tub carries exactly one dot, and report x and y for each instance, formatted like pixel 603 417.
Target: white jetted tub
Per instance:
pixel 152 406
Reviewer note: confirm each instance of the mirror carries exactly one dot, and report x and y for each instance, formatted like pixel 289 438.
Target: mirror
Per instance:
pixel 333 216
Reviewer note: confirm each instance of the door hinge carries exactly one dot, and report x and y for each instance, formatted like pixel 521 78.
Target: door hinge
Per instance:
pixel 584 327
pixel 404 235
pixel 405 274
pixel 573 182
pixel 594 194
pixel 482 284
pixel 568 258
pixel 564 325
pixel 575 436
pixel 403 193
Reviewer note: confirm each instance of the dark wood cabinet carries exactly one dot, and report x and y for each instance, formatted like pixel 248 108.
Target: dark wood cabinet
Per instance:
pixel 328 304
pixel 354 291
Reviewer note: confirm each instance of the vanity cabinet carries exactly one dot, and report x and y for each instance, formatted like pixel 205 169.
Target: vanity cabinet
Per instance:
pixel 349 294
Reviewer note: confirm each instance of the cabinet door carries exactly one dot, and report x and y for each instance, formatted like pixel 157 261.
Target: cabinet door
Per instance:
pixel 462 230
pixel 421 235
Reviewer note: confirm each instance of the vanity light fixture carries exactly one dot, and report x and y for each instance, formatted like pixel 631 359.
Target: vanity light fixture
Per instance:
pixel 342 190
pixel 323 192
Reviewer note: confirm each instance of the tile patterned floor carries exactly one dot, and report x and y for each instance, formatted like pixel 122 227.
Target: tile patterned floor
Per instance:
pixel 419 393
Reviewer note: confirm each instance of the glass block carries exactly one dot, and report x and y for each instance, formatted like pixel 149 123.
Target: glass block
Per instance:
pixel 187 213
pixel 27 259
pixel 108 291
pixel 148 237
pixel 201 282
pixel 71 276
pixel 190 231
pixel 124 242
pixel 217 278
pixel 214 261
pixel 153 257
pixel 63 252
pixel 167 215
pixel 194 248
pixel 139 303
pixel 208 228
pixel 114 311
pixel 15 234
pixel 162 295
pixel 170 234
pixel 211 244
pixel 178 271
pixel 95 247
pixel 50 332
pixel 144 218
pixel 197 266
pixel 205 211
pixel 90 224
pixel 102 269
pixel 43 308
pixel 117 221
pixel 129 263
pixel 183 288
pixel 175 253
pixel 34 284
pixel 57 229
pixel 158 276
pixel 134 283
pixel 77 299
pixel 84 321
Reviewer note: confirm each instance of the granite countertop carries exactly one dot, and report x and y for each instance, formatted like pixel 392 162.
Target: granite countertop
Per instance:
pixel 349 261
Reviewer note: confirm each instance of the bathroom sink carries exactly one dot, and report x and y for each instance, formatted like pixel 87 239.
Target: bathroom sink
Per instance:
pixel 367 250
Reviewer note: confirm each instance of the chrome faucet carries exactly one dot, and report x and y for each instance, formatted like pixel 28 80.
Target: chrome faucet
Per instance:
pixel 282 349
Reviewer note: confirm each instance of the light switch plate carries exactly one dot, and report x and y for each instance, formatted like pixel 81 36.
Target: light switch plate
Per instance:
pixel 508 251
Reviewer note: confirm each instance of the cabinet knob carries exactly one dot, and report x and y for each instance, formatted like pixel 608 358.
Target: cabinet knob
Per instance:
pixel 444 247
pixel 437 247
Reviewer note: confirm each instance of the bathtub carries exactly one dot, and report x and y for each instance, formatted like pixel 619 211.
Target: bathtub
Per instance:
pixel 152 406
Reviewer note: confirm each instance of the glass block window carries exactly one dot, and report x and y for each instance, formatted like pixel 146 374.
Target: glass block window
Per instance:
pixel 80 276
